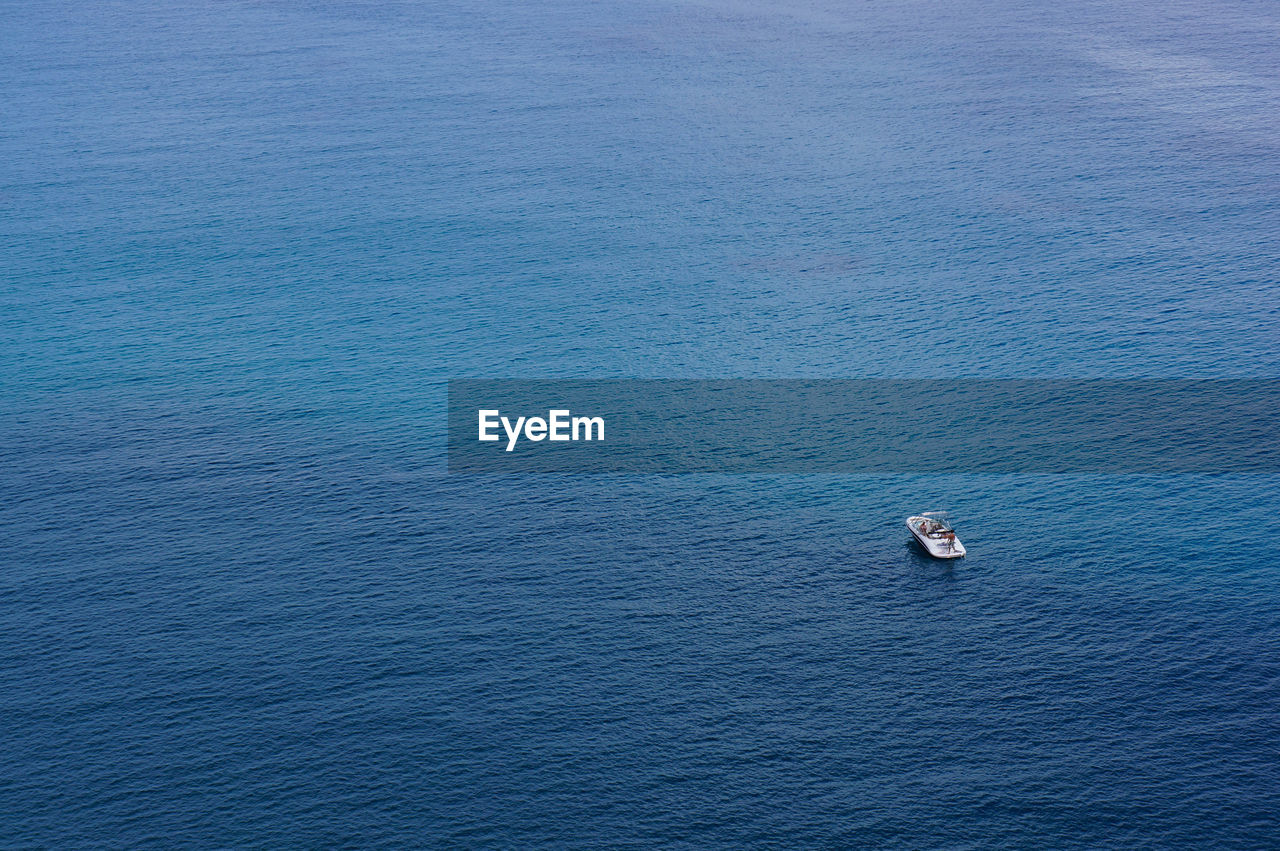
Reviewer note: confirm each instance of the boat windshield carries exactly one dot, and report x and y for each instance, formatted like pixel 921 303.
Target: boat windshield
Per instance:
pixel 935 523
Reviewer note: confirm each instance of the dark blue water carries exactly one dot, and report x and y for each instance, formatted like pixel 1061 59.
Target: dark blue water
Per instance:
pixel 243 245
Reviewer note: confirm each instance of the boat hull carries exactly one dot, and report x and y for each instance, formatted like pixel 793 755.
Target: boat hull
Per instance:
pixel 935 547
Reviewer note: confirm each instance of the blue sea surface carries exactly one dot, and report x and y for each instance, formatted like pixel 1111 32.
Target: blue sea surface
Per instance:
pixel 243 246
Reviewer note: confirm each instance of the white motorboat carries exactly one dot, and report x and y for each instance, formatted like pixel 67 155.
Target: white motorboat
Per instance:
pixel 934 532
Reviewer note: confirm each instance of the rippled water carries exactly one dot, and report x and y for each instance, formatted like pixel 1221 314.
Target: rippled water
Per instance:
pixel 243 245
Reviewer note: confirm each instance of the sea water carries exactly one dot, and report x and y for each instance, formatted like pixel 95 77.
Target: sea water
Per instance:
pixel 244 245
